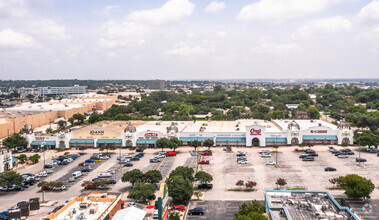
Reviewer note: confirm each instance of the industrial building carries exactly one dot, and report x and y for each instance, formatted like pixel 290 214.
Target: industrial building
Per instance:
pixel 305 205
pixel 157 84
pixel 90 206
pixel 250 133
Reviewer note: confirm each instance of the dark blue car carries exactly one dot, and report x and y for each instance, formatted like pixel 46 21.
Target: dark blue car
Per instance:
pixel 89 161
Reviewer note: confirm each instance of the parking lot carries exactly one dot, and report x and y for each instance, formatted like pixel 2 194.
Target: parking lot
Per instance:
pixel 225 171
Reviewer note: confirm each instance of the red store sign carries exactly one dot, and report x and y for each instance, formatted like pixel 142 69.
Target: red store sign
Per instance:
pixel 255 132
pixel 151 135
pixel 319 131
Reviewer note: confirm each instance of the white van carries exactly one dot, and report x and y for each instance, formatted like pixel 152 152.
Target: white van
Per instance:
pixel 155 216
pixel 104 175
pixel 76 174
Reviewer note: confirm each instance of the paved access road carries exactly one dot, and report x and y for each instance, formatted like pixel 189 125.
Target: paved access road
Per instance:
pixel 216 210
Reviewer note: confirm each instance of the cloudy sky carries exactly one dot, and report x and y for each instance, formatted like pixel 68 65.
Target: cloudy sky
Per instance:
pixel 188 39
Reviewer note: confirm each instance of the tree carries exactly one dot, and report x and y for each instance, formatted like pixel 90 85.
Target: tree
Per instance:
pixel 250 184
pixel 49 130
pixel 334 181
pixel 8 178
pixel 278 114
pixel 16 140
pixel 250 211
pixel 281 182
pixel 313 113
pixel 203 177
pixel 198 194
pixel 179 188
pixel 132 176
pixel 79 117
pixel 162 143
pixel 152 176
pixel 175 143
pixel 240 183
pixel 22 157
pixel 71 120
pixel 142 191
pixel 174 216
pixel 195 144
pixel 185 172
pixel 62 124
pixel 356 186
pixel 35 158
pixel 208 143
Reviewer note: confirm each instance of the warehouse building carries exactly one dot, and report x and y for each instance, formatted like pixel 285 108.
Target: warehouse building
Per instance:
pixel 250 133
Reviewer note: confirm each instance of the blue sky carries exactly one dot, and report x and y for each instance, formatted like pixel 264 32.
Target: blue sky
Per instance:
pixel 188 39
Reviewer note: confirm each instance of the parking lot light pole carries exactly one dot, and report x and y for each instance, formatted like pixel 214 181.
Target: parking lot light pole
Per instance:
pixel 276 151
pixel 120 158
pixel 43 151
pixel 359 150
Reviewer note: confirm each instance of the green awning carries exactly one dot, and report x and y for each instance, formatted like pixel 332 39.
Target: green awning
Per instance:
pixel 146 141
pixel 320 137
pixel 276 140
pixel 231 139
pixel 109 141
pixel 45 143
pixel 190 139
pixel 82 141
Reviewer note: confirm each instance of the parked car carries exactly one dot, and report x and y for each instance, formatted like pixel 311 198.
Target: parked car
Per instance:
pixel 48 166
pixel 346 150
pixel 333 150
pixel 196 211
pixel 87 169
pixel 195 153
pixel 265 155
pixel 135 159
pixel 42 174
pixel 104 175
pixel 77 174
pixel 372 150
pixel 47 187
pixel 112 181
pixel 308 159
pixel 205 186
pixel 96 179
pixel 104 158
pixel 343 156
pixel 309 151
pixel 90 186
pixel 140 155
pixel 206 153
pixel 59 188
pixel 97 161
pixel 204 162
pixel 242 161
pixel 313 154
pixel 154 160
pixel 83 164
pixel 327 169
pixel 139 150
pixel 170 154
pixel 350 153
pixel 89 161
pixel 49 171
pixel 128 165
pixel 264 152
pixel 303 155
pixel 360 160
pixel 177 208
pixel 270 162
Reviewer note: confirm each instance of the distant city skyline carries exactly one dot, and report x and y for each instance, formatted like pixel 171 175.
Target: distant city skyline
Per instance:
pixel 189 39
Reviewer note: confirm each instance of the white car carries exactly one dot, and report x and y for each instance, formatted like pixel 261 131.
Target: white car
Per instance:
pixel 266 155
pixel 270 162
pixel 343 156
pixel 242 162
pixel 49 171
pixel 195 153
pixel 69 159
pixel 132 204
pixel 111 171
pixel 264 152
pixel 42 174
pixel 160 156
pixel 104 158
pixel 59 188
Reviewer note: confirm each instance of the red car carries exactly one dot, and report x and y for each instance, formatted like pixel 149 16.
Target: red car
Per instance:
pixel 172 153
pixel 206 153
pixel 47 187
pixel 83 164
pixel 178 208
pixel 204 162
pixel 90 186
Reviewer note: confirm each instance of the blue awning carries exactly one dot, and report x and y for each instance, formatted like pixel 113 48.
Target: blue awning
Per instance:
pixel 146 141
pixel 45 143
pixel 109 141
pixel 320 137
pixel 190 139
pixel 230 139
pixel 277 140
pixel 82 141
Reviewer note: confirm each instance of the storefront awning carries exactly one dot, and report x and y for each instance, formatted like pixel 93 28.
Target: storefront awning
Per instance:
pixel 82 141
pixel 230 139
pixel 146 141
pixel 190 139
pixel 320 137
pixel 276 140
pixel 45 143
pixel 109 141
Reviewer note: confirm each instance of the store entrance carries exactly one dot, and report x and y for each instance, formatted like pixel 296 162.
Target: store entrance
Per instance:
pixel 255 142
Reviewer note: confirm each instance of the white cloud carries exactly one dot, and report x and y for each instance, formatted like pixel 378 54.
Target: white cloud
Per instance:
pixel 183 49
pixel 221 33
pixel 122 34
pixel 215 6
pixel 276 49
pixel 14 40
pixel 326 25
pixel 283 9
pixel 370 11
pixel 171 11
pixel 106 10
pixel 12 8
pixel 47 29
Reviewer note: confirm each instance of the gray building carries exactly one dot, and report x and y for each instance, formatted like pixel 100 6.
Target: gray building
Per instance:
pixel 157 84
pixel 76 89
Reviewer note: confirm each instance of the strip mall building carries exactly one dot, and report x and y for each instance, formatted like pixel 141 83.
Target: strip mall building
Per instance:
pixel 248 133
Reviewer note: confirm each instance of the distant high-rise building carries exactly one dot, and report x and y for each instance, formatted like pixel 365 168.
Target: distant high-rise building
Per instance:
pixel 157 84
pixel 76 89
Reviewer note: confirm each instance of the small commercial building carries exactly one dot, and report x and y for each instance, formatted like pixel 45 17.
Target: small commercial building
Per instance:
pixel 89 206
pixel 130 213
pixel 305 205
pixel 6 159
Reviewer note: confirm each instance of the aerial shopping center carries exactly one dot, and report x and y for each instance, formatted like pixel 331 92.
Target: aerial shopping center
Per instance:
pixel 249 133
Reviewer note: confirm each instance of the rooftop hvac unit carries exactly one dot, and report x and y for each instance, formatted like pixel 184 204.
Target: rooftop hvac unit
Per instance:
pixel 237 129
pixel 319 124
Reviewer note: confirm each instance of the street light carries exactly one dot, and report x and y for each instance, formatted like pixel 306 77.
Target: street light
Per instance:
pixel 359 150
pixel 43 190
pixel 120 158
pixel 276 152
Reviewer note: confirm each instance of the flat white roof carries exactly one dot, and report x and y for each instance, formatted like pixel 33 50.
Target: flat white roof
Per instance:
pixel 230 126
pixel 44 107
pixel 130 213
pixel 98 207
pixel 305 124
pixel 161 126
